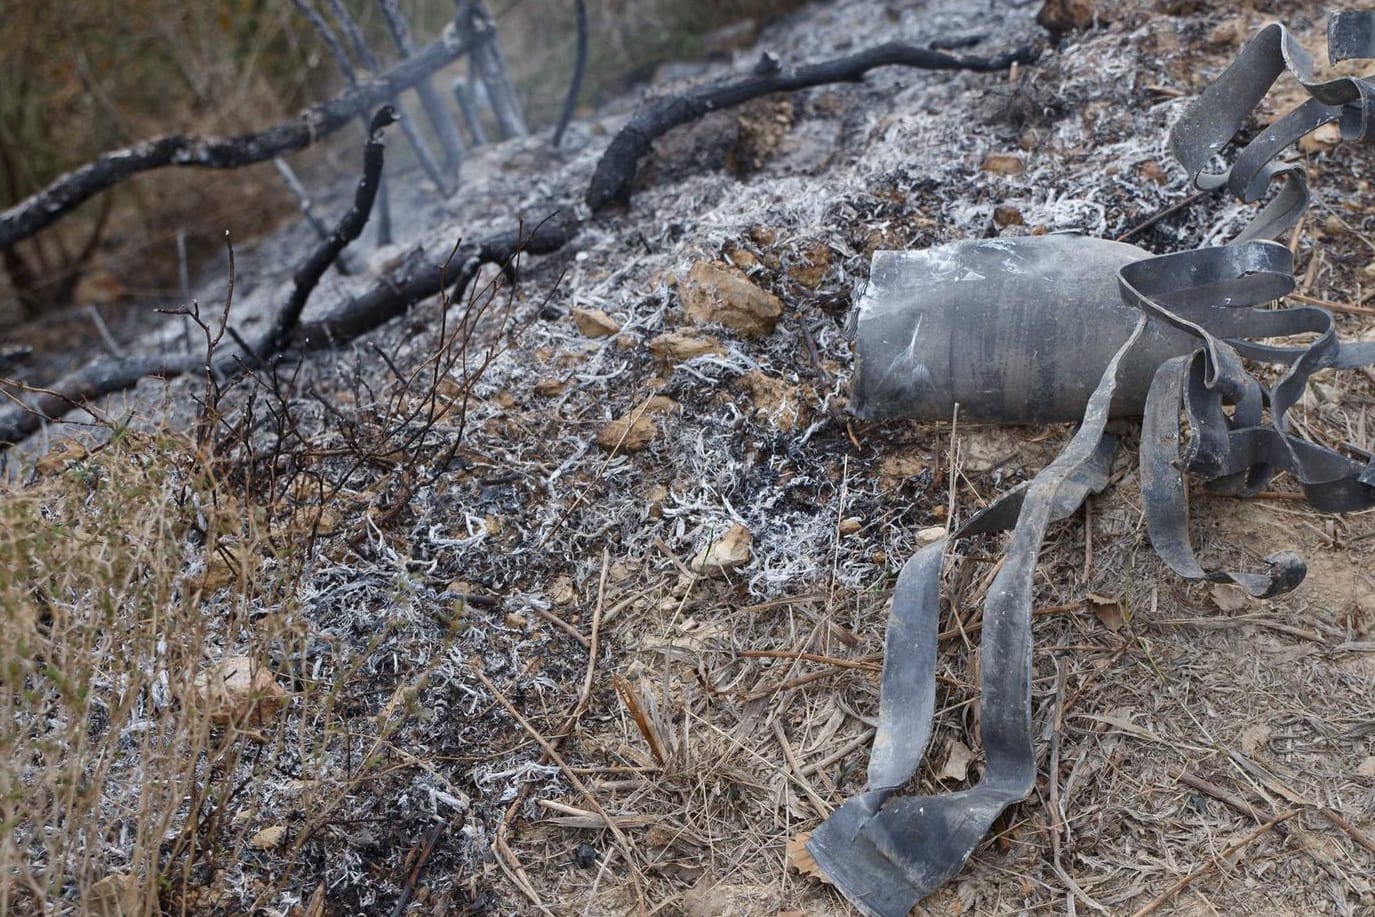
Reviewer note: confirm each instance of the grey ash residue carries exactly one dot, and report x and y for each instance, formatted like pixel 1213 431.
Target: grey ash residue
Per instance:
pixel 482 507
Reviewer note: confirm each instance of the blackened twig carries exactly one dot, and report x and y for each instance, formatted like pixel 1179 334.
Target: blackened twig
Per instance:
pixel 1160 215
pixel 390 298
pixel 70 190
pixel 488 60
pixel 444 127
pixel 617 167
pixel 579 65
pixel 349 228
pixel 365 56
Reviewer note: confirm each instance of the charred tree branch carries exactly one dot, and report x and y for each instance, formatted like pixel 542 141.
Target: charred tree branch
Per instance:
pixel 47 206
pixel 350 227
pixel 490 64
pixel 418 280
pixel 617 167
pixel 579 66
pixel 444 127
pixel 421 277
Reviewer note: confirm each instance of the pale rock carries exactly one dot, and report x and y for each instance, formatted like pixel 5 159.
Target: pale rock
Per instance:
pixel 930 535
pixel 594 323
pixel 713 293
pixel 239 691
pixel 680 346
pixel 636 429
pixel 726 553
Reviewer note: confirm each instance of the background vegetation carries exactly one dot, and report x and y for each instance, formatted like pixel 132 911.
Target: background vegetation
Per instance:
pixel 78 78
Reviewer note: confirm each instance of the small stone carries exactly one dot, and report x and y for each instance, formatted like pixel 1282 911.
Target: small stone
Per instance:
pixel 636 429
pixel 1322 139
pixel 594 323
pixel 239 691
pixel 813 266
pixel 1006 215
pixel 776 402
pixel 713 293
pixel 515 622
pixel 631 433
pixel 1003 163
pixel 270 838
pixel 930 535
pixel 681 346
pixel 849 525
pixel 726 553
pixel 1061 16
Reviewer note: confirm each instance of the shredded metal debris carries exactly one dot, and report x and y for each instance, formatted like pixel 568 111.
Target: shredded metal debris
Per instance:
pixel 1015 330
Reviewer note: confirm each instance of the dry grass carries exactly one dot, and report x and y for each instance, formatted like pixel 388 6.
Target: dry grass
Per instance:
pixel 111 762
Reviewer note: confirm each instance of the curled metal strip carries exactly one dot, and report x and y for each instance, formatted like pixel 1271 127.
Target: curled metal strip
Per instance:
pixel 1181 368
pixel 884 852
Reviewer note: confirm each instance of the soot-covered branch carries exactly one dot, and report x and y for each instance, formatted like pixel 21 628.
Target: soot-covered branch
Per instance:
pixel 67 192
pixel 420 276
pixel 616 169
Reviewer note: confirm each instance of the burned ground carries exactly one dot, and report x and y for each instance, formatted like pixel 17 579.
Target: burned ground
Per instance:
pixel 438 524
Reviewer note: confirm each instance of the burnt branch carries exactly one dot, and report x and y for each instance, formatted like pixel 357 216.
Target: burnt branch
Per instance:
pixel 617 167
pixel 51 204
pixel 491 66
pixel 417 280
pixel 444 127
pixel 308 275
pixel 420 276
pixel 26 415
pixel 579 66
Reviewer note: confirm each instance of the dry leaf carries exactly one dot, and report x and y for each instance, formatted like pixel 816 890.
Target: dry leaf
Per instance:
pixel 239 691
pixel 1003 163
pixel 1229 598
pixel 1254 738
pixel 681 346
pixel 801 859
pixel 269 838
pixel 957 760
pixel 1108 610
